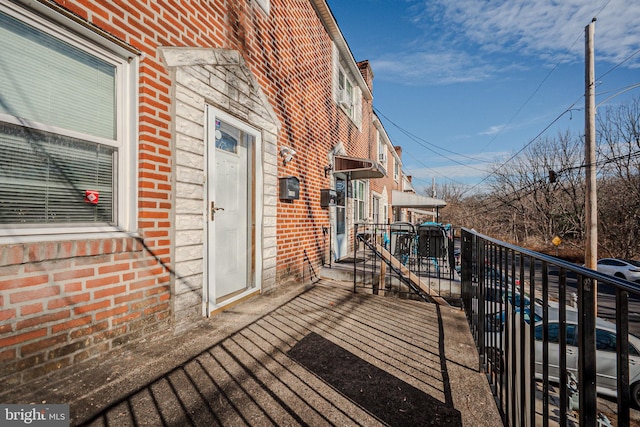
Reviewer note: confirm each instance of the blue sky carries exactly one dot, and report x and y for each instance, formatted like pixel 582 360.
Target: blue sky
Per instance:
pixel 461 84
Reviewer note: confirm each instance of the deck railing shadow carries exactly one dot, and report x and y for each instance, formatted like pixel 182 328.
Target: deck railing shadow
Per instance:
pixel 326 357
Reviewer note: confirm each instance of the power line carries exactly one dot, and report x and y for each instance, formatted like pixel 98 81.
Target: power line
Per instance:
pixel 527 144
pixel 539 183
pixel 619 64
pixel 422 142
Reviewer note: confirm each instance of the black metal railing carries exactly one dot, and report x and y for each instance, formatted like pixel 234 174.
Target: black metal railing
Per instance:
pixel 551 335
pixel 384 252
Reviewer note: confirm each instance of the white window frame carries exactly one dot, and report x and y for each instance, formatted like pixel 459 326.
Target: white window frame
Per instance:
pixel 126 186
pixel 351 103
pixel 360 200
pixel 345 92
pixel 382 150
pixel 375 208
pixel 396 170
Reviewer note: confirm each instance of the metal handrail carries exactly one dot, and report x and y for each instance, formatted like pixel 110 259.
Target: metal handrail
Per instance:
pixel 508 356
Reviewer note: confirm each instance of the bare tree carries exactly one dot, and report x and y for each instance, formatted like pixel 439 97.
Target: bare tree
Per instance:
pixel 619 186
pixel 540 193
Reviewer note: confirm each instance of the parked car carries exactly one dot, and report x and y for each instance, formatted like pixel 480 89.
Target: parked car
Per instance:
pixel 626 269
pixel 606 356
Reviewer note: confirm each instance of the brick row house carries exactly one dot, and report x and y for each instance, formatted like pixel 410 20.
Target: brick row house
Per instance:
pixel 161 161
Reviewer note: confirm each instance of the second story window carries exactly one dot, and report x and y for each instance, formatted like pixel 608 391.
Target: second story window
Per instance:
pixel 396 170
pixel 382 151
pixel 346 91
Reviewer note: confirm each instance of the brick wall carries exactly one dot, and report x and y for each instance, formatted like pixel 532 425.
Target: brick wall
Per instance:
pixel 64 302
pixel 69 300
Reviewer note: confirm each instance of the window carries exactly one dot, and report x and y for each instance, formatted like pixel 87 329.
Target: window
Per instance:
pixel 66 161
pixel 396 170
pixel 382 151
pixel 345 92
pixel 359 197
pixel 554 333
pixel 375 207
pixel 345 88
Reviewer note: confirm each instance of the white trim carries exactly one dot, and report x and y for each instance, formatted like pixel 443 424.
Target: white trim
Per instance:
pixel 208 300
pixel 7 118
pixel 126 186
pixel 84 233
pixel 264 4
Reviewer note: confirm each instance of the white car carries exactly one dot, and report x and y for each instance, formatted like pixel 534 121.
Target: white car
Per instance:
pixel 626 269
pixel 606 356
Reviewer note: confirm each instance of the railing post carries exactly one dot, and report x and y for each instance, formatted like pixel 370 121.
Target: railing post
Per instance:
pixel 355 255
pixel 562 310
pixel 466 255
pixel 622 344
pixel 587 352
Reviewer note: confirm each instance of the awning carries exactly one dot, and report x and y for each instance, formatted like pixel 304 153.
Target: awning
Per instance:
pixel 358 168
pixel 400 199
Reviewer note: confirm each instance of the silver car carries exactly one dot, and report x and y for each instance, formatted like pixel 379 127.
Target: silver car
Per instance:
pixel 606 356
pixel 626 269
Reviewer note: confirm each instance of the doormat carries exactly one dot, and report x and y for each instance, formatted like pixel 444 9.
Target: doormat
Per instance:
pixel 383 395
pixel 349 260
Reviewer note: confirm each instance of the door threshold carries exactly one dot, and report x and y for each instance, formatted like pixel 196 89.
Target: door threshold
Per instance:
pixel 232 303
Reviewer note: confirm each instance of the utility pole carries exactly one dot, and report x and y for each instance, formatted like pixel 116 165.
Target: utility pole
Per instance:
pixel 588 291
pixel 591 199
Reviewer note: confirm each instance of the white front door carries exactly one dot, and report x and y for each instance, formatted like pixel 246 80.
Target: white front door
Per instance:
pixel 340 227
pixel 232 209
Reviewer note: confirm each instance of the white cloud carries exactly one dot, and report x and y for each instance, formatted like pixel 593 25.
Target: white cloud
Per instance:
pixel 542 27
pixel 422 68
pixel 493 130
pixel 470 40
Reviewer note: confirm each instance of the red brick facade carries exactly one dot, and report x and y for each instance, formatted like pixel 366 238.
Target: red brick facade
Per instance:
pixel 63 301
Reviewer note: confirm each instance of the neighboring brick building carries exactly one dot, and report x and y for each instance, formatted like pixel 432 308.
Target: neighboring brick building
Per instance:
pixel 144 143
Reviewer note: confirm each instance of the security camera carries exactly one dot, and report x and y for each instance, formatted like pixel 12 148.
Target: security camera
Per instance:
pixel 287 153
pixel 288 158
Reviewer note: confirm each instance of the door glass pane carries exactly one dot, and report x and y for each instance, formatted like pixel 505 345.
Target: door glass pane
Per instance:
pixel 227 137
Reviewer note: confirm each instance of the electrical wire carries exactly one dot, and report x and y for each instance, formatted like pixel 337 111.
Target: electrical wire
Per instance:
pixel 539 184
pixel 422 142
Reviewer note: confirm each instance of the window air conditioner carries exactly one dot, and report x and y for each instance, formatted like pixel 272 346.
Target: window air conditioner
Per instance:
pixel 344 99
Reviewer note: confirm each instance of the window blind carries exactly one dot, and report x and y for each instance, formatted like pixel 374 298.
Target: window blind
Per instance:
pixel 44 178
pixel 47 80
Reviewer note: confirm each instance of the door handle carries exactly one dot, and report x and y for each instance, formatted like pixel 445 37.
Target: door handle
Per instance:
pixel 214 210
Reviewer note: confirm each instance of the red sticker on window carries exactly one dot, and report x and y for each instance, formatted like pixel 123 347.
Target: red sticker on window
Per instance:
pixel 91 196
